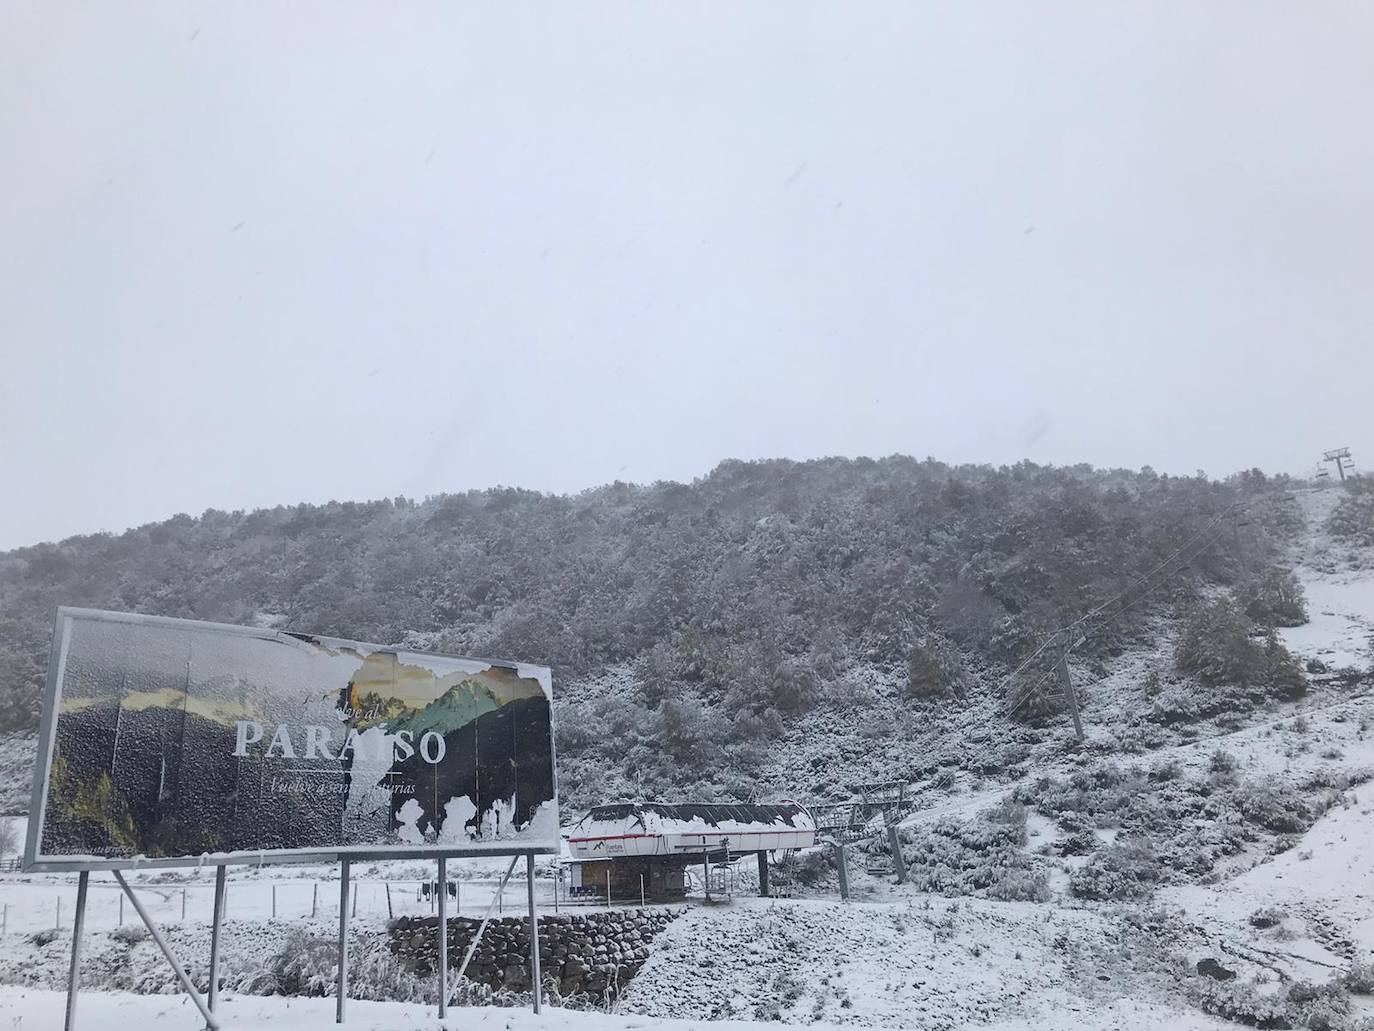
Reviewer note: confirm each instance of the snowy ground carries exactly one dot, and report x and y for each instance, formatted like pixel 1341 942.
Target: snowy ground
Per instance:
pixel 31 1010
pixel 922 962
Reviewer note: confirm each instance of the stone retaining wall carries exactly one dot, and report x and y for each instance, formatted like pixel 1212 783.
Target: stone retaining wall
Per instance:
pixel 594 953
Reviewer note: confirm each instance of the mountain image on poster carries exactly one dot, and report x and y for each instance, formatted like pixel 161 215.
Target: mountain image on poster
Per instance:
pixel 171 739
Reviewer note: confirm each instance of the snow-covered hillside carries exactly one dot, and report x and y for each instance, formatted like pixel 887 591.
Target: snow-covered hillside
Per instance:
pixel 1168 873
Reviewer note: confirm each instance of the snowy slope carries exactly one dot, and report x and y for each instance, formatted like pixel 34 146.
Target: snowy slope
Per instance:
pixel 893 957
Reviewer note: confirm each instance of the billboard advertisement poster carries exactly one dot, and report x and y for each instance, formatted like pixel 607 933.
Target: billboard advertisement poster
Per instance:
pixel 170 741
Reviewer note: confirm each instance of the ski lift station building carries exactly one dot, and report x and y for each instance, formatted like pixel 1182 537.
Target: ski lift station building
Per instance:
pixel 616 845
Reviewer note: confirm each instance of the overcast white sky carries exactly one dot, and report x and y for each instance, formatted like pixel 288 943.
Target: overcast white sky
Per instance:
pixel 260 254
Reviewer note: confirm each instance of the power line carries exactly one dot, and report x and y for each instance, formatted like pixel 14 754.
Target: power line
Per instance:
pixel 1061 636
pixel 1055 637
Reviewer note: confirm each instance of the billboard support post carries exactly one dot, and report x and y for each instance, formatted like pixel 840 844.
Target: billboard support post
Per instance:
pixel 74 975
pixel 216 921
pixel 443 937
pixel 343 942
pixel 535 979
pixel 476 938
pixel 211 1021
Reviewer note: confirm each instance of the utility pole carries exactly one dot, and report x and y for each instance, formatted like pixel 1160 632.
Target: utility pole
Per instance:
pixel 1066 685
pixel 1336 456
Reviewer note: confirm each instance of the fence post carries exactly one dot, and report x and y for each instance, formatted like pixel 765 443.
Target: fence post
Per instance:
pixel 58 925
pixel 355 899
pixel 389 914
pixel 274 902
pixel 183 905
pixel 121 910
pixel 314 899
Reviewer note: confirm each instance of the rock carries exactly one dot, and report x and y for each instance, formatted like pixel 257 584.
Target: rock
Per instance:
pixel 1209 967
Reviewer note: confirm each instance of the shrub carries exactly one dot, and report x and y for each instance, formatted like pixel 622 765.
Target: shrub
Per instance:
pixel 1222 761
pixel 41 938
pixel 1241 1002
pixel 1274 598
pixel 1215 645
pixel 1079 843
pixel 306 965
pixel 1353 517
pixel 1274 806
pixel 1283 673
pixel 982 856
pixel 1269 916
pixel 934 669
pixel 1088 798
pixel 130 934
pixel 1171 769
pixel 1175 705
pixel 1128 869
pixel 810 869
pixel 1359 978
pixel 1021 886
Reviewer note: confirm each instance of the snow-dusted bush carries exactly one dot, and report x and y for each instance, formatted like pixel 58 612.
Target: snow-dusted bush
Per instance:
pixel 1242 1002
pixel 982 856
pixel 1128 869
pixel 1214 644
pixel 814 868
pixel 934 669
pixel 1020 886
pixel 307 964
pixel 1192 823
pixel 130 934
pixel 1275 806
pixel 1087 798
pixel 1352 519
pixel 1359 978
pixel 1273 597
pixel 1222 761
pixel 1269 916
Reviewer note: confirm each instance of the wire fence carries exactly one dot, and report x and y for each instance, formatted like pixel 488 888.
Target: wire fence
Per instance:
pixel 28 906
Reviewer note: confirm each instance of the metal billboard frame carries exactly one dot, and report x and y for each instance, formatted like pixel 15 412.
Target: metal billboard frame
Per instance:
pixel 47 733
pixel 345 856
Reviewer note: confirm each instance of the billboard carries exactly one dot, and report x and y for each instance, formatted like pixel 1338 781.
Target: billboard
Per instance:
pixel 167 741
